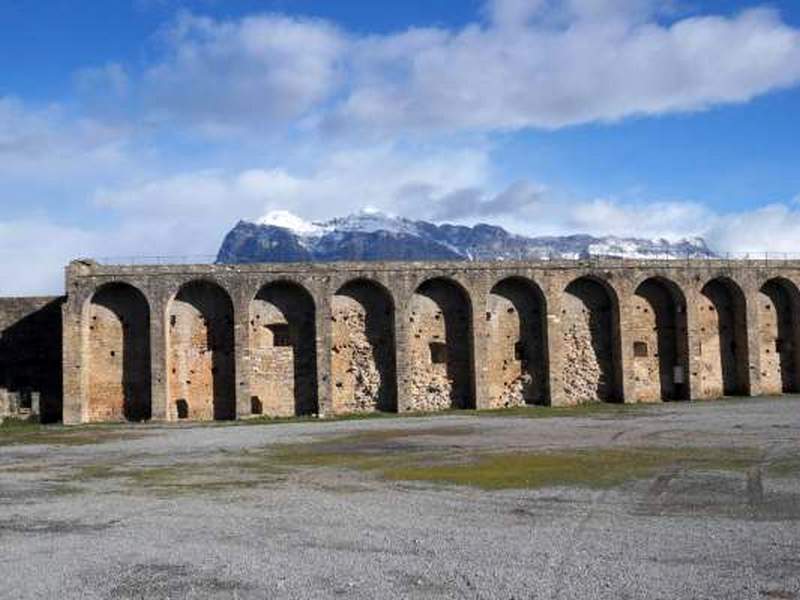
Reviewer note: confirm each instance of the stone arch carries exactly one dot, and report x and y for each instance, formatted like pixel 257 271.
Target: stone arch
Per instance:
pixel 517 337
pixel 778 305
pixel 660 341
pixel 119 354
pixel 363 348
pixel 283 351
pixel 201 353
pixel 722 320
pixel 440 347
pixel 591 342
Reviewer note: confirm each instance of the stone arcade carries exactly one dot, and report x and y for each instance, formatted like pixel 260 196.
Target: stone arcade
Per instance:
pixel 203 342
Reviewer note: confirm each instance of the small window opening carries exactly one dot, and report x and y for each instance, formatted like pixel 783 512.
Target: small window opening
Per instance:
pixel 182 407
pixel 280 335
pixel 520 352
pixel 26 399
pixel 438 353
pixel 639 349
pixel 256 407
pixel 173 319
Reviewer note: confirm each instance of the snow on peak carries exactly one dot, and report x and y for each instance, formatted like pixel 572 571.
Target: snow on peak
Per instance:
pixel 290 221
pixel 370 220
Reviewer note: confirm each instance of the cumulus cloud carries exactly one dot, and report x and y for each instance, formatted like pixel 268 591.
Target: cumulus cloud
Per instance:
pixel 385 177
pixel 593 68
pixel 530 64
pixel 49 141
pixel 38 268
pixel 260 69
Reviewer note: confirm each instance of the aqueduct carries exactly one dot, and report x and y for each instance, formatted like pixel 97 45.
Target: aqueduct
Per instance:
pixel 204 342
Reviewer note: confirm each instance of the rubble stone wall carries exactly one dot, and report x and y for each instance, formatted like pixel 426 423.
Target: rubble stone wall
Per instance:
pixel 283 375
pixel 590 340
pixel 440 347
pixel 362 349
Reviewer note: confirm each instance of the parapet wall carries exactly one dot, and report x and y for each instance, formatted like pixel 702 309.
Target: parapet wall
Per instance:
pixel 234 341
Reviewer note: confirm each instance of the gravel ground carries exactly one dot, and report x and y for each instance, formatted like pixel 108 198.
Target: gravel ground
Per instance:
pixel 214 512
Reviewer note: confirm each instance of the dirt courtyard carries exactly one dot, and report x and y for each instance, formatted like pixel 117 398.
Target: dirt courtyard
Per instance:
pixel 680 500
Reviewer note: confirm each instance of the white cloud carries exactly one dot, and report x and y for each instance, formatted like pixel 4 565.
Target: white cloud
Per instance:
pixel 256 70
pixel 382 176
pixel 50 142
pixel 531 64
pixel 33 253
pixel 593 68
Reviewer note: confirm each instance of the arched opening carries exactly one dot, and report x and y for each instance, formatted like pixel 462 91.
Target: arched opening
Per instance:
pixel 440 347
pixel 660 341
pixel 119 355
pixel 283 351
pixel 363 349
pixel 722 320
pixel 517 353
pixel 778 332
pixel 590 325
pixel 201 361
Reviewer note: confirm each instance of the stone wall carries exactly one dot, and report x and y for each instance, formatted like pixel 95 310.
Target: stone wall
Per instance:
pixel 119 355
pixel 517 359
pixel 201 348
pixel 30 357
pixel 283 361
pixel 777 308
pixel 657 320
pixel 440 347
pixel 362 350
pixel 282 340
pixel 590 342
pixel 723 339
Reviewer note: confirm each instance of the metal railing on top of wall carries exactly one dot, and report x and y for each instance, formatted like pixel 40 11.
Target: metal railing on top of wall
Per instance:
pixel 748 258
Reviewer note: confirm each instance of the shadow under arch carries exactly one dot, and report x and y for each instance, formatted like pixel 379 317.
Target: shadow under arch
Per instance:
pixel 119 371
pixel 517 337
pixel 591 343
pixel 779 303
pixel 363 350
pixel 724 346
pixel 440 352
pixel 283 350
pixel 660 341
pixel 201 366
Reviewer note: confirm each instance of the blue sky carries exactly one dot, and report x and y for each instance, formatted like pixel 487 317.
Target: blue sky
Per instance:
pixel 142 127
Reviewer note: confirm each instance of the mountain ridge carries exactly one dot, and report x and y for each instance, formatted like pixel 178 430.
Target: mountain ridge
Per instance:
pixel 281 236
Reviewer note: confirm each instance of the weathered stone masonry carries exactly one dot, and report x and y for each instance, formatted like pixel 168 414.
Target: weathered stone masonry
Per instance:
pixel 203 342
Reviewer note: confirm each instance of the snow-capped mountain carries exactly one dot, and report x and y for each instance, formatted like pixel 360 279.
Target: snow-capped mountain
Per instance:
pixel 281 236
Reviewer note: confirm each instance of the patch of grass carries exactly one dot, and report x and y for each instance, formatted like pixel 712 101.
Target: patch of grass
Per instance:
pixel 16 424
pixel 596 468
pixel 393 455
pixel 19 432
pixel 180 478
pixel 786 466
pixel 61 436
